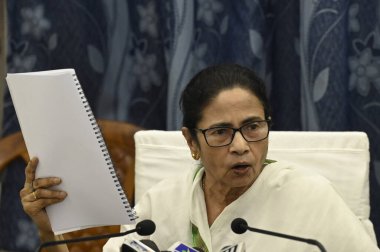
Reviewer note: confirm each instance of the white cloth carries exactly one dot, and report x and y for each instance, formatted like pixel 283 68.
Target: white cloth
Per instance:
pixel 282 199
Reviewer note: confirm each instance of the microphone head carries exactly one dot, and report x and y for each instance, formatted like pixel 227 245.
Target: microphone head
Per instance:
pixel 145 227
pixel 126 248
pixel 151 244
pixel 239 225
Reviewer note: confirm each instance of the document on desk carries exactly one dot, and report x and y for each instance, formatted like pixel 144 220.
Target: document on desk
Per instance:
pixel 60 129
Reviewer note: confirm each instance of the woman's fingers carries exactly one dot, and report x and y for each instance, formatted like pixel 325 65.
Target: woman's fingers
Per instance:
pixel 30 174
pixel 42 191
pixel 36 194
pixel 42 194
pixel 39 199
pixel 45 182
pixel 30 171
pixel 31 183
pixel 33 205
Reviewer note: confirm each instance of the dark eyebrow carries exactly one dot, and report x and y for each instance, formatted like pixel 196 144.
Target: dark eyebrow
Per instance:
pixel 252 119
pixel 218 125
pixel 245 121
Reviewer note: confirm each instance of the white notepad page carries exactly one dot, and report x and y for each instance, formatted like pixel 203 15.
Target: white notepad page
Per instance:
pixel 61 131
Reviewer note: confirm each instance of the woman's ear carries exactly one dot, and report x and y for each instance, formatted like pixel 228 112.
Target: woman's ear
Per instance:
pixel 191 142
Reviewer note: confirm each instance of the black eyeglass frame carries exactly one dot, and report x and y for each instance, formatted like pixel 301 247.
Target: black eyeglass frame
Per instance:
pixel 203 131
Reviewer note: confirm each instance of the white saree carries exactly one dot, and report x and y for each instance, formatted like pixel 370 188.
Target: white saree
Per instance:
pixel 282 199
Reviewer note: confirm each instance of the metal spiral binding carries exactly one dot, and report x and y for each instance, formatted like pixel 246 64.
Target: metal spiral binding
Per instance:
pixel 131 212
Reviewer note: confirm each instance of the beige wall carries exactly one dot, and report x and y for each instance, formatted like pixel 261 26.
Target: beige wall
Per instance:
pixel 3 54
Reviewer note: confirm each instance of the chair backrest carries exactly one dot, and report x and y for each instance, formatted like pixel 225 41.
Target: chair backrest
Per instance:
pixel 120 143
pixel 342 157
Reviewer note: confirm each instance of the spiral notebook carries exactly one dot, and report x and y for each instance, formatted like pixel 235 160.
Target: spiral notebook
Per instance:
pixel 60 129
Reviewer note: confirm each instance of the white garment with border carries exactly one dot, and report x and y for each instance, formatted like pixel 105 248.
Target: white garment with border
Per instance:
pixel 283 199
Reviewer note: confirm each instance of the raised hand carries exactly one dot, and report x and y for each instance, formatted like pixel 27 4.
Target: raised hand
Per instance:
pixel 36 195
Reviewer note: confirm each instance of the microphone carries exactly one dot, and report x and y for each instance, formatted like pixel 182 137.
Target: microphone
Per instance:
pixel 139 246
pixel 145 227
pixel 126 248
pixel 179 247
pixel 239 226
pixel 240 247
pixel 151 244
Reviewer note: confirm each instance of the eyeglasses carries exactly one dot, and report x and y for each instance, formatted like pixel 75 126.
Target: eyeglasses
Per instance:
pixel 223 136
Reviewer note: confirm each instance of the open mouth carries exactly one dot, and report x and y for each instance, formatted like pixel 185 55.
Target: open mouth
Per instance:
pixel 240 166
pixel 240 169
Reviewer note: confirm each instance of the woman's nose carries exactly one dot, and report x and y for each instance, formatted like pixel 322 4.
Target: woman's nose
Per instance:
pixel 239 144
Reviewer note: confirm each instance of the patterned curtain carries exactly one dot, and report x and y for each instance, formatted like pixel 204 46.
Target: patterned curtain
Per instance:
pixel 3 32
pixel 3 39
pixel 320 60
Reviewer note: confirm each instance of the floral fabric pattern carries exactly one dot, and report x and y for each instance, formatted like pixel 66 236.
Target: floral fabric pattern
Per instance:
pixel 320 60
pixel 34 21
pixel 363 72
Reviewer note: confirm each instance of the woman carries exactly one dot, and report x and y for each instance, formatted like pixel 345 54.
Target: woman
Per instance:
pixel 226 124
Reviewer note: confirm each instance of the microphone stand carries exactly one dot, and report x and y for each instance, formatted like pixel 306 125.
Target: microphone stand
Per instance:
pixel 82 239
pixel 310 241
pixel 145 227
pixel 239 226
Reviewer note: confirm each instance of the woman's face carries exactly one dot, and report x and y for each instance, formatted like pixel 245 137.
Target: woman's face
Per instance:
pixel 240 163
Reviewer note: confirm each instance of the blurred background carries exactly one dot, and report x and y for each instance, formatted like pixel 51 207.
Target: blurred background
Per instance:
pixel 320 60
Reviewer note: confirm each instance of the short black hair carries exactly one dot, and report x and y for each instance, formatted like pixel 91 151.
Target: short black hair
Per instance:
pixel 209 82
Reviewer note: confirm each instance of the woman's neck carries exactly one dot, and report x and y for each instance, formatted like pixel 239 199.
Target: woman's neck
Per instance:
pixel 217 197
